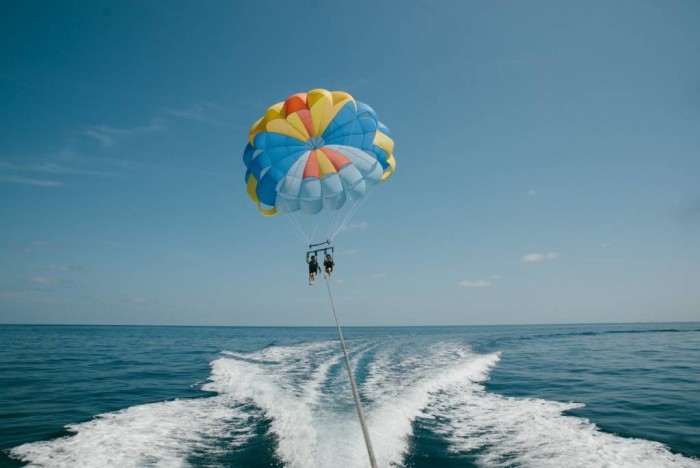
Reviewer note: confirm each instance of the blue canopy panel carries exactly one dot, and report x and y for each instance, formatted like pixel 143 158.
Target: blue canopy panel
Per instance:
pixel 272 158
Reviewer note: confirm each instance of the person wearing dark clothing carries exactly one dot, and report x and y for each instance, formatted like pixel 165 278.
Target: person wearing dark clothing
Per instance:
pixel 328 264
pixel 313 269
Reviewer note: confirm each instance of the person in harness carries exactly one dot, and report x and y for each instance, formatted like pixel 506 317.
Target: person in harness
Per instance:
pixel 328 264
pixel 313 269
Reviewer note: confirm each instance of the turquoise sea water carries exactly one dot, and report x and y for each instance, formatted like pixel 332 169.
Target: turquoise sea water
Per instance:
pixel 574 395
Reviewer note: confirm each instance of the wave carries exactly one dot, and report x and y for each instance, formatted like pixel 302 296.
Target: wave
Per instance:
pixel 504 431
pixel 157 434
pixel 660 330
pixel 302 395
pixel 400 397
pixel 605 332
pixel 284 382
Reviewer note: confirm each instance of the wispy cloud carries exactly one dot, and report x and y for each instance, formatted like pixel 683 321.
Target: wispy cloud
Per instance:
pixel 354 83
pixel 354 226
pixel 532 192
pixel 52 170
pixel 140 300
pixel 108 136
pixel 45 167
pixel 379 275
pixel 37 173
pixel 63 268
pixel 539 257
pixel 13 179
pixel 103 137
pixel 31 246
pixel 44 280
pixel 204 112
pixel 474 284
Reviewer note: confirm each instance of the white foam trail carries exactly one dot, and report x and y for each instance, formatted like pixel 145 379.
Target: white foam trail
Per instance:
pixel 315 431
pixel 286 389
pixel 400 397
pixel 304 392
pixel 504 431
pixel 159 434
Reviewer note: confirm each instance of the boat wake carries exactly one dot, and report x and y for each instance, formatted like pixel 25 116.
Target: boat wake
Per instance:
pixel 300 398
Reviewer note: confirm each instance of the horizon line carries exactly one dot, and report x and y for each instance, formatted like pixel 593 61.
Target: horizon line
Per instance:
pixel 344 326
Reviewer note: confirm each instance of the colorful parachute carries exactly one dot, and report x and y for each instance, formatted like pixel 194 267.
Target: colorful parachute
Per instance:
pixel 316 151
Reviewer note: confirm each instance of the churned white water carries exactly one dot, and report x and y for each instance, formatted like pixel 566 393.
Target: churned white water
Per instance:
pixel 158 434
pixel 302 392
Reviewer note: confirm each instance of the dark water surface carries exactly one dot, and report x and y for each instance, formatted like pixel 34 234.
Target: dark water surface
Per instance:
pixel 557 395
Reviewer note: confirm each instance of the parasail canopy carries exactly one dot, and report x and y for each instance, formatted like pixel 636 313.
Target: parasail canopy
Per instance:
pixel 316 152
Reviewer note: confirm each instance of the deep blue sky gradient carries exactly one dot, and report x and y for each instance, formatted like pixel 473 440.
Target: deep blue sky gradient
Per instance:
pixel 548 161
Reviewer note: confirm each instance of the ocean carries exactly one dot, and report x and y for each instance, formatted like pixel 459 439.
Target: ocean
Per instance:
pixel 607 395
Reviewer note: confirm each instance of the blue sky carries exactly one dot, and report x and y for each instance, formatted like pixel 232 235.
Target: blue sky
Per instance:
pixel 548 159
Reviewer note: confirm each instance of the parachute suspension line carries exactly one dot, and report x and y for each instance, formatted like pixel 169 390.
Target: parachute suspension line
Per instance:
pixel 351 212
pixel 313 234
pixel 341 216
pixel 356 396
pixel 336 219
pixel 296 227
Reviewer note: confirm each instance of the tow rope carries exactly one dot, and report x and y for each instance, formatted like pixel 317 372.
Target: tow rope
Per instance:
pixel 356 396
